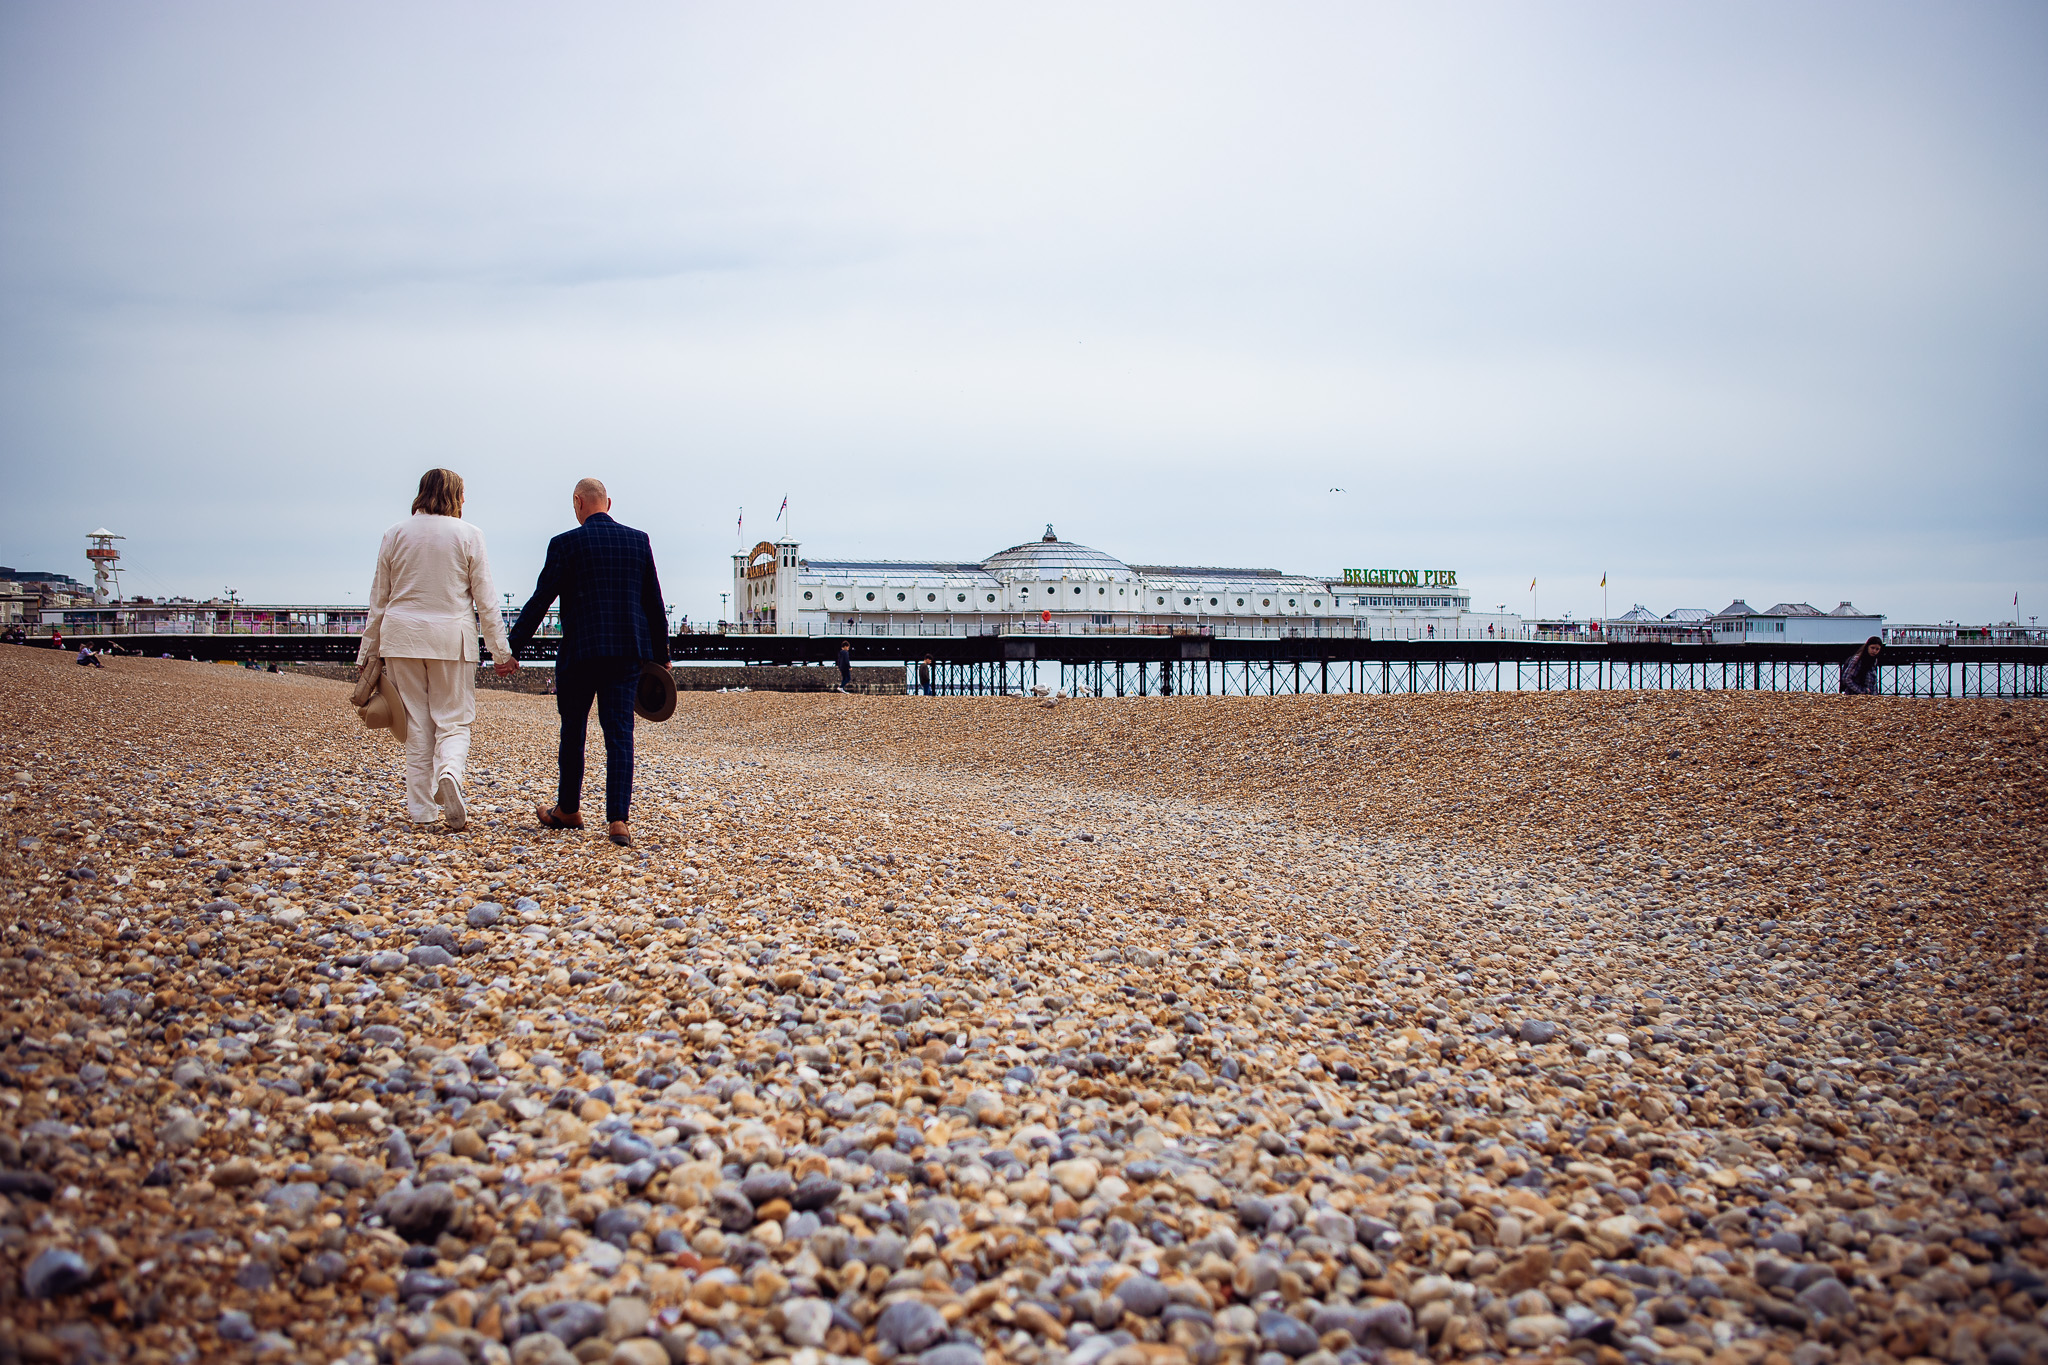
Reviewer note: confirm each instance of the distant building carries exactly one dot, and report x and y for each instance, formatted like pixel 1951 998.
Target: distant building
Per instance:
pixel 25 594
pixel 1055 585
pixel 1794 623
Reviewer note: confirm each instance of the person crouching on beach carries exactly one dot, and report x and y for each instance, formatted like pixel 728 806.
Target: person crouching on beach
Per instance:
pixel 432 590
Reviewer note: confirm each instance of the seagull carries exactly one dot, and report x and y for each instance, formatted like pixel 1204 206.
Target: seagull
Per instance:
pixel 1336 490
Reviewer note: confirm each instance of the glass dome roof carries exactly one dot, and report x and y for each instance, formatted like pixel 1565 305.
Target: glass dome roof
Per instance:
pixel 1051 557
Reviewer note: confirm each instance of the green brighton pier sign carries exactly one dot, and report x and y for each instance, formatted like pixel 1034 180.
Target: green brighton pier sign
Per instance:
pixel 1401 578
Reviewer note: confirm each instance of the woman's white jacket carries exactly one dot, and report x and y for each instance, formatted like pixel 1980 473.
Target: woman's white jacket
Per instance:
pixel 432 589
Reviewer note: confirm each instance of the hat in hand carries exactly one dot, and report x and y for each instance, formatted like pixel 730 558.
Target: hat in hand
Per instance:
pixel 655 697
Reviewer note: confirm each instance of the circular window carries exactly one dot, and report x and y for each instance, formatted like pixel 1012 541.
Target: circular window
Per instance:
pixel 991 597
pixel 871 597
pixel 899 597
pixel 807 597
pixel 1162 601
pixel 1102 592
pixel 1240 601
pixel 1187 601
pixel 959 597
pixel 838 597
pixel 931 597
pixel 1290 601
pixel 1265 601
pixel 1212 601
pixel 1077 591
pixel 1317 603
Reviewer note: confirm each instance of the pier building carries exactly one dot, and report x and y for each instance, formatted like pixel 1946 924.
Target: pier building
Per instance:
pixel 1056 586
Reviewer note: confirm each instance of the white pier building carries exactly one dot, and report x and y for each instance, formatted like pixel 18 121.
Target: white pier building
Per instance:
pixel 1052 586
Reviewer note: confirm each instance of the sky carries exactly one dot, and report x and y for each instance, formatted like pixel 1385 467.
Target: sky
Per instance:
pixel 1717 300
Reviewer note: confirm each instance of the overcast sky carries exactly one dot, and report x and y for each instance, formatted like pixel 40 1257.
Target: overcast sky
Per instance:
pixel 1721 300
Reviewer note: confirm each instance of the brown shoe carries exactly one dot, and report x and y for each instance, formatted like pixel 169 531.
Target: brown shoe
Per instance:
pixel 554 817
pixel 616 832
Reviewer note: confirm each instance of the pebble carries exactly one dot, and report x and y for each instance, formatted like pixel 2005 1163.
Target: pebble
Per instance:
pixel 909 1325
pixel 862 1029
pixel 53 1272
pixel 1143 1295
pixel 805 1321
pixel 642 1351
pixel 179 1132
pixel 572 1321
pixel 424 1214
pixel 1290 1336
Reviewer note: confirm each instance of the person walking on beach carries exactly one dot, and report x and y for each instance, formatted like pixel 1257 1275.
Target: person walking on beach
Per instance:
pixel 845 662
pixel 613 621
pixel 924 676
pixel 431 592
pixel 1859 674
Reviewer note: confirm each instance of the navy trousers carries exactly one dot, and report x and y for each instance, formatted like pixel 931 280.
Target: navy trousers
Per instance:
pixel 611 684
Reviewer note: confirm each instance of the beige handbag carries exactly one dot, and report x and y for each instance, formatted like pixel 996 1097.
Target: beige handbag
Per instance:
pixel 376 701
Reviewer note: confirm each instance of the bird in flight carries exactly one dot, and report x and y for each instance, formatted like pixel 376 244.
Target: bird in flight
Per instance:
pixel 1336 490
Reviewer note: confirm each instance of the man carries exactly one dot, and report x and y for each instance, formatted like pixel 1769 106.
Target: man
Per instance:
pixel 613 620
pixel 845 662
pixel 924 676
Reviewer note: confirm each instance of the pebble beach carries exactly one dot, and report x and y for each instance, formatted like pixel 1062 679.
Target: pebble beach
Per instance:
pixel 1634 1027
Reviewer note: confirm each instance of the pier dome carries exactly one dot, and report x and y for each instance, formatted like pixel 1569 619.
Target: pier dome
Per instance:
pixel 1051 557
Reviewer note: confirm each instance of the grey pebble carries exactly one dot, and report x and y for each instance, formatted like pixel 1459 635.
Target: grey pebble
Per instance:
pixel 1287 1335
pixel 731 1207
pixel 910 1325
pixel 952 1353
pixel 571 1322
pixel 55 1271
pixel 1143 1295
pixel 767 1185
pixel 424 1214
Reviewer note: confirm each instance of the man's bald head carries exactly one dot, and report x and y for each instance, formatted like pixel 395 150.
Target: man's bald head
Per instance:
pixel 589 499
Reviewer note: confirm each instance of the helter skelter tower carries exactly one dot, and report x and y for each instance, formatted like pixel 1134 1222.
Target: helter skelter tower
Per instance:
pixel 106 565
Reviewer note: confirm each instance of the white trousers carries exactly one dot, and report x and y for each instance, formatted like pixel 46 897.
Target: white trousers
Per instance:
pixel 439 696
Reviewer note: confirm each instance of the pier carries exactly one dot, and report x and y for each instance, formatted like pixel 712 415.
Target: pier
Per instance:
pixel 1125 665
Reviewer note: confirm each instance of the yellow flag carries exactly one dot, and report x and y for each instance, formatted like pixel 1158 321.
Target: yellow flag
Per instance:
pixel 1603 578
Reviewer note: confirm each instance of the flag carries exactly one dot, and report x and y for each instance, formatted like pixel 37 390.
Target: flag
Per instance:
pixel 740 527
pixel 1603 578
pixel 1532 585
pixel 780 510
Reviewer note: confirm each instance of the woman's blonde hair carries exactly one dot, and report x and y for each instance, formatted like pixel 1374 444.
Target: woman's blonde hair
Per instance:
pixel 440 493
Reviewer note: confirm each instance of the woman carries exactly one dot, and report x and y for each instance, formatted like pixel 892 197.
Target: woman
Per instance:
pixel 433 587
pixel 1859 674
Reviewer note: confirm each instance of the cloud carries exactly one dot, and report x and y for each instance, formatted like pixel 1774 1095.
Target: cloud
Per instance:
pixel 1727 302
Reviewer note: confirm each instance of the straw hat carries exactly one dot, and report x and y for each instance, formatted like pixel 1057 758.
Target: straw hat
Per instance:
pixel 377 704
